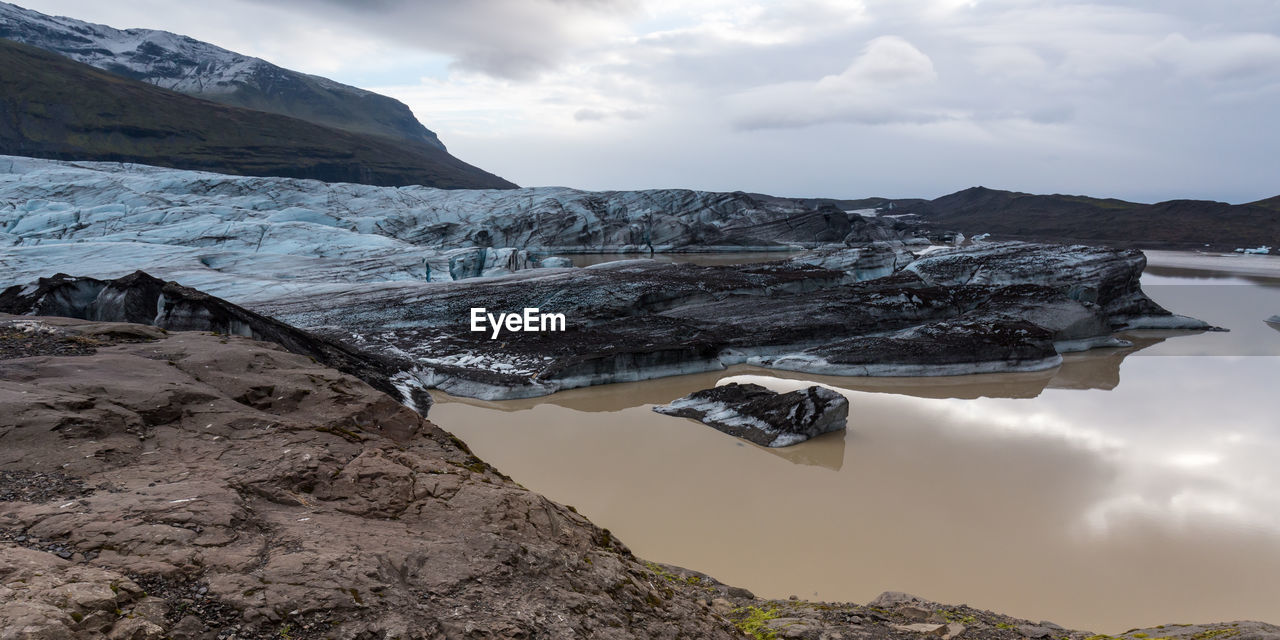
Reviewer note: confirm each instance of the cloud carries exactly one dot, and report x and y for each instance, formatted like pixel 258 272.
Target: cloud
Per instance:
pixel 1121 98
pixel 1009 61
pixel 515 39
pixel 878 87
pixel 1057 95
pixel 1247 56
pixel 596 115
pixel 704 26
pixel 887 61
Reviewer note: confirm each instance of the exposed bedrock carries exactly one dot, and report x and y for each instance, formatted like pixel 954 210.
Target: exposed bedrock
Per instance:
pixel 142 299
pixel 763 416
pixel 228 488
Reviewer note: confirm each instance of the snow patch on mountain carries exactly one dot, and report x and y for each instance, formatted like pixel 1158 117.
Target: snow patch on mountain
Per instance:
pixel 186 65
pixel 165 59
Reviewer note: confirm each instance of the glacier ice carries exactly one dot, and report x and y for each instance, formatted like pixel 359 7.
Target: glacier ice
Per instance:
pixel 395 270
pixel 235 235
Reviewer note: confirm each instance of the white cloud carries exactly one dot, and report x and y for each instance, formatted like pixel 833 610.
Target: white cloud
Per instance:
pixel 1010 61
pixel 887 61
pixel 1245 56
pixel 1121 98
pixel 878 87
pixel 516 39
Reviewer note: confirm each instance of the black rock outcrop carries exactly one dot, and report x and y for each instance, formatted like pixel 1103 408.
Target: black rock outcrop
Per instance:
pixel 981 309
pixel 142 299
pixel 763 416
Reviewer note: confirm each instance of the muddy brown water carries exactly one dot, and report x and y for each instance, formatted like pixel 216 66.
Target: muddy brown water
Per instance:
pixel 1127 488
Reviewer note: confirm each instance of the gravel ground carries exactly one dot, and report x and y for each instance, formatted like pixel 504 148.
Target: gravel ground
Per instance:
pixel 26 338
pixel 39 487
pixel 26 344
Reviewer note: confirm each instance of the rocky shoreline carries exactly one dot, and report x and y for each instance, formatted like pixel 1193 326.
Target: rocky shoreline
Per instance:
pixel 226 488
pixel 140 298
pixel 207 506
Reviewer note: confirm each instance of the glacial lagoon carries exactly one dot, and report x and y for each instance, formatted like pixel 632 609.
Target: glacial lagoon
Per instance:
pixel 1129 487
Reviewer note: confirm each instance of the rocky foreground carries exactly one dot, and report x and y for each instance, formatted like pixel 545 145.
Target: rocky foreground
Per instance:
pixel 196 485
pixel 142 299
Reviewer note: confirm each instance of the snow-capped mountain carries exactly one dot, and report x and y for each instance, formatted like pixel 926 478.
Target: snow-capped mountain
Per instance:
pixel 54 107
pixel 187 65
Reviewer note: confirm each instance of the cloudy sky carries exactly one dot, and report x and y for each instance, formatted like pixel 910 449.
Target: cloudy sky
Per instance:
pixel 1140 99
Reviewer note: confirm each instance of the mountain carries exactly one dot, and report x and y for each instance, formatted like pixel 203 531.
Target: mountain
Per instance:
pixel 1269 203
pixel 189 66
pixel 53 107
pixel 1175 224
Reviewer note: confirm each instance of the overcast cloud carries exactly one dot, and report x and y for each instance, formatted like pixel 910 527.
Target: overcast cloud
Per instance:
pixel 1141 99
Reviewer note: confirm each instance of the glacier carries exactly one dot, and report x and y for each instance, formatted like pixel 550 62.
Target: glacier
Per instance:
pixel 394 271
pixel 251 236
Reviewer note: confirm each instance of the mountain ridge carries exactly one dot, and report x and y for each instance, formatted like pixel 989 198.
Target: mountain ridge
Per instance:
pixel 186 65
pixel 1170 224
pixel 55 108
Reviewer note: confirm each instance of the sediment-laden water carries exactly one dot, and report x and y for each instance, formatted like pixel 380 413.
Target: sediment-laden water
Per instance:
pixel 1128 487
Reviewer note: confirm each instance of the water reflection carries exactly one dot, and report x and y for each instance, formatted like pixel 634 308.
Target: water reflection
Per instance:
pixel 1098 369
pixel 1184 275
pixel 1237 307
pixel 826 450
pixel 1062 495
pixel 1102 510
pixel 1248 269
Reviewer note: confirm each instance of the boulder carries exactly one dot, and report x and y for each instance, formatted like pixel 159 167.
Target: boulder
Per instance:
pixel 762 416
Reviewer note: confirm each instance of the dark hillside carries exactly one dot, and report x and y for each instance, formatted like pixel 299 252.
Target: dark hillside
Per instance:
pixel 1175 224
pixel 52 107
